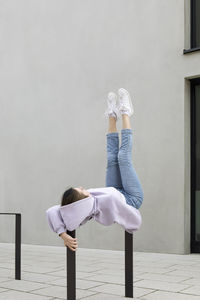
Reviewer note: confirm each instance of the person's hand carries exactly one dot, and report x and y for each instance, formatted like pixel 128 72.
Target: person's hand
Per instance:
pixel 69 241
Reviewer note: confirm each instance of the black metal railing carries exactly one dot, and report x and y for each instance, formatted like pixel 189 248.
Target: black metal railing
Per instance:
pixel 17 244
pixel 71 267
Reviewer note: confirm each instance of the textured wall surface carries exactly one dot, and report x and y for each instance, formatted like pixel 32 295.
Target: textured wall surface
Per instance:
pixel 58 61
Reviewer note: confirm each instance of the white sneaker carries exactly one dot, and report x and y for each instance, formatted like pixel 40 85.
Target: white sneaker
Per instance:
pixel 125 105
pixel 112 109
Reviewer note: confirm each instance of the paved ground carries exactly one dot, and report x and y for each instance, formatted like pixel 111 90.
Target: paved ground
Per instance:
pixel 100 275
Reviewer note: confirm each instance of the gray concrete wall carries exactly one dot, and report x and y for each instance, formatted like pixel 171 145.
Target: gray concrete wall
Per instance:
pixel 58 61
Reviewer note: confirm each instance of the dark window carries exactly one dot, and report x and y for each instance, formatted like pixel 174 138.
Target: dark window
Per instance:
pixel 195 23
pixel 195 165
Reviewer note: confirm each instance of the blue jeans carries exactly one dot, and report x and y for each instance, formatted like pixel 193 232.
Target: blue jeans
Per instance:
pixel 120 172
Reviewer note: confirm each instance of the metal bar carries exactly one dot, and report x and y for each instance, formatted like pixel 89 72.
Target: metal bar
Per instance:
pixel 18 246
pixel 8 214
pixel 71 270
pixel 71 267
pixel 128 264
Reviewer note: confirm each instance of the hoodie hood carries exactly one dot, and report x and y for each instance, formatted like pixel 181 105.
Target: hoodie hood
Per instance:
pixel 74 213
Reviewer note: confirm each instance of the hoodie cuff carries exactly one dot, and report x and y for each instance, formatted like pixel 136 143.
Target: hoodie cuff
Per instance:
pixel 61 230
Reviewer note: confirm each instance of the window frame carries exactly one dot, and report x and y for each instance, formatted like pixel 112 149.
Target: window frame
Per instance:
pixel 194 244
pixel 193 44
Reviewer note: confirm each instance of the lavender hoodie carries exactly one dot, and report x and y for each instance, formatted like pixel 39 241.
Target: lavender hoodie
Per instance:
pixel 106 205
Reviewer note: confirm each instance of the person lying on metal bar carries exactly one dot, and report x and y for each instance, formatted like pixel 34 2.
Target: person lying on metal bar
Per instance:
pixel 120 200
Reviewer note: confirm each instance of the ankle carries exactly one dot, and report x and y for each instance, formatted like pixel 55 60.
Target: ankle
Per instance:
pixel 126 124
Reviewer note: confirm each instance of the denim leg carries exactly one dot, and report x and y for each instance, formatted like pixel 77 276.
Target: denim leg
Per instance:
pixel 132 187
pixel 113 176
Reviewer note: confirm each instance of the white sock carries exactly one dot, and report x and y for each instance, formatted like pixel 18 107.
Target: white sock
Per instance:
pixel 113 114
pixel 124 111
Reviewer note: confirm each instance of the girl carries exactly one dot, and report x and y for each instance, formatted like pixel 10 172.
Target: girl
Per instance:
pixel 120 200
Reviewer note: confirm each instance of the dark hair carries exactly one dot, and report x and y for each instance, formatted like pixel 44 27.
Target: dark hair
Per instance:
pixel 71 195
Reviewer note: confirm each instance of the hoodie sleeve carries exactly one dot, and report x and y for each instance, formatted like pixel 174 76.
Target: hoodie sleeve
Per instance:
pixel 116 210
pixel 128 217
pixel 55 220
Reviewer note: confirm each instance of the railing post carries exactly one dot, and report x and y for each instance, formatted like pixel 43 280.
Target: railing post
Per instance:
pixel 71 270
pixel 128 264
pixel 71 267
pixel 18 246
pixel 17 243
